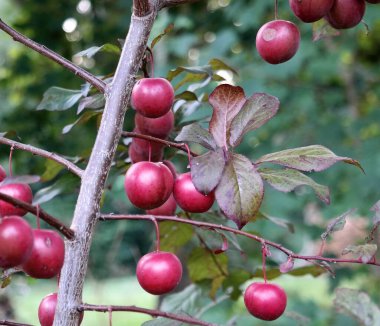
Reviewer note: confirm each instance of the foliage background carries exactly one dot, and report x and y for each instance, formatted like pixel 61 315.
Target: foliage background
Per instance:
pixel 329 93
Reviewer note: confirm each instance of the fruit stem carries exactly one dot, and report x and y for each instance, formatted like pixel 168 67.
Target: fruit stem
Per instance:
pixel 275 9
pixel 10 160
pixel 110 316
pixel 264 256
pixel 157 233
pixel 188 154
pixel 38 216
pixel 150 152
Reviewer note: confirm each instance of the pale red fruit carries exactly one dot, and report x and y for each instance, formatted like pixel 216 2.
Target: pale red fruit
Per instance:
pixel 148 185
pixel 277 41
pixel 48 253
pixel 159 272
pixel 158 127
pixel 189 198
pixel 310 10
pixel 265 301
pixel 346 13
pixel 3 174
pixel 152 97
pixel 168 208
pixel 16 241
pixel 136 155
pixel 19 191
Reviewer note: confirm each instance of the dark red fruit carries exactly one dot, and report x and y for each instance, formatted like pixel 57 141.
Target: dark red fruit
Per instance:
pixel 46 310
pixel 310 10
pixel 16 241
pixel 265 301
pixel 277 41
pixel 159 272
pixel 189 198
pixel 346 13
pixel 152 97
pixel 143 146
pixel 3 174
pixel 136 155
pixel 148 185
pixel 47 255
pixel 19 191
pixel 168 208
pixel 159 127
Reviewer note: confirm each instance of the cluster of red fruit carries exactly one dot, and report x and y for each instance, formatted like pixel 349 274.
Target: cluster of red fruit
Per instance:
pixel 277 41
pixel 39 253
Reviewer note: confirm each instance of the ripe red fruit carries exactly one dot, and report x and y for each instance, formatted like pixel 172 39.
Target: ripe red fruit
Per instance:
pixel 47 255
pixel 310 10
pixel 3 174
pixel 136 155
pixel 152 97
pixel 265 301
pixel 159 272
pixel 189 198
pixel 148 185
pixel 346 13
pixel 277 41
pixel 19 191
pixel 168 208
pixel 16 241
pixel 159 127
pixel 142 146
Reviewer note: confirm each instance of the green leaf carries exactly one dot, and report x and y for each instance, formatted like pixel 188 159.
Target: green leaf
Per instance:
pixel 337 224
pixel 90 52
pixel 96 101
pixel 207 169
pixel 5 282
pixel 235 279
pixel 173 236
pixel 257 110
pixel 358 305
pixel 21 179
pixel 324 265
pixel 278 221
pixel 300 271
pixel 322 29
pixel 204 265
pixel 187 96
pixel 287 180
pixel 59 99
pixel 195 133
pixel 217 64
pixel 365 252
pixel 160 321
pixel 226 101
pixel 196 70
pixel 309 158
pixel 240 190
pixel 81 120
pixel 46 194
pixel 167 30
pixel 52 169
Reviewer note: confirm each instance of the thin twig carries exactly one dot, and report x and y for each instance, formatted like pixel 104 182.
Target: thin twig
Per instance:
pixel 57 224
pixel 18 37
pixel 180 146
pixel 11 323
pixel 41 152
pixel 151 312
pixel 256 238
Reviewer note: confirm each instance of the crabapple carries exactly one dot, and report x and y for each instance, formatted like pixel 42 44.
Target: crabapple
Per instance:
pixel 346 13
pixel 158 127
pixel 19 191
pixel 168 208
pixel 310 10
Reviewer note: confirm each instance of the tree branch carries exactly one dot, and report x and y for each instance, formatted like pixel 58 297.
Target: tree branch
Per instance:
pixel 41 152
pixel 180 146
pixel 85 75
pixel 11 323
pixel 211 226
pixel 141 8
pixel 151 312
pixel 57 224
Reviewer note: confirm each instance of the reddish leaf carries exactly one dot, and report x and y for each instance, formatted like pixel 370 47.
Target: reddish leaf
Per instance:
pixel 287 266
pixel 195 133
pixel 364 252
pixel 337 224
pixel 224 246
pixel 322 29
pixel 226 101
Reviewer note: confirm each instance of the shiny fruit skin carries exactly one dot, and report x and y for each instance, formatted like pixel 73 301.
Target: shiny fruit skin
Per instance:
pixel 277 41
pixel 159 272
pixel 152 97
pixel 16 241
pixel 167 209
pixel 158 127
pixel 310 10
pixel 48 253
pixel 148 185
pixel 346 13
pixel 265 301
pixel 3 174
pixel 19 191
pixel 188 197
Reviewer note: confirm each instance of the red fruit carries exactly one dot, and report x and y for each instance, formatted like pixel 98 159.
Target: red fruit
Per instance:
pixel 159 127
pixel 152 97
pixel 3 174
pixel 46 310
pixel 47 256
pixel 346 13
pixel 277 41
pixel 16 241
pixel 142 146
pixel 310 10
pixel 265 301
pixel 168 208
pixel 148 185
pixel 19 191
pixel 136 155
pixel 189 198
pixel 159 272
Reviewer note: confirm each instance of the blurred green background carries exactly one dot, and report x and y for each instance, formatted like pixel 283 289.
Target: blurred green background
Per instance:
pixel 329 93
